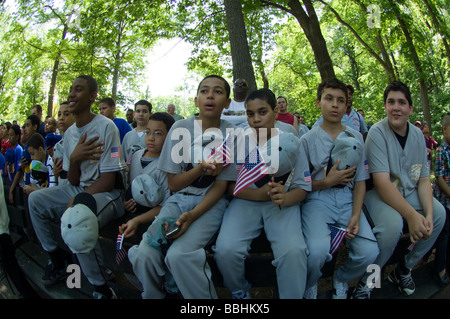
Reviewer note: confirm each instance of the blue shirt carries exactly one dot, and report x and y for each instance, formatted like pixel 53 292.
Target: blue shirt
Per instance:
pixel 123 127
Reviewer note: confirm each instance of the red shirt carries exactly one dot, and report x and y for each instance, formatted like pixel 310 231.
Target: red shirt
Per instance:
pixel 5 146
pixel 286 118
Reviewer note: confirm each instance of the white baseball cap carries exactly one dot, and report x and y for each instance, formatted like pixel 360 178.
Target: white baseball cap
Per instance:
pixel 79 224
pixel 348 148
pixel 146 191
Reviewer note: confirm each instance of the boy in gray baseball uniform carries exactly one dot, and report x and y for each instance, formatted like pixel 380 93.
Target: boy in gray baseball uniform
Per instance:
pixel 269 205
pixel 136 137
pixel 198 202
pixel 337 194
pixel 93 162
pixel 145 162
pixel 397 158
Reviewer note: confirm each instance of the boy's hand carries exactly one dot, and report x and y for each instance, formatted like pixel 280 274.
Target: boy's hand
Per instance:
pixel 57 166
pixel 277 192
pixel 419 227
pixel 87 150
pixel 340 177
pixel 353 227
pixel 130 205
pixel 129 229
pixel 183 224
pixel 211 167
pixel 27 189
pixel 24 163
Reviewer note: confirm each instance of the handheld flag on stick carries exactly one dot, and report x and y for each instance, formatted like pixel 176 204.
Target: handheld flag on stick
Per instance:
pixel 253 169
pixel 337 235
pixel 222 152
pixel 121 253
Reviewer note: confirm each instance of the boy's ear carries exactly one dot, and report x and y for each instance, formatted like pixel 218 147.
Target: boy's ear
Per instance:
pixel 93 96
pixel 317 103
pixel 276 110
pixel 195 101
pixel 228 103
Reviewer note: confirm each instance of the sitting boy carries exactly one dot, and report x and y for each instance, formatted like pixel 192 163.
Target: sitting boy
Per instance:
pixel 253 208
pixel 397 158
pixel 145 162
pixel 94 165
pixel 38 154
pixel 337 195
pixel 197 205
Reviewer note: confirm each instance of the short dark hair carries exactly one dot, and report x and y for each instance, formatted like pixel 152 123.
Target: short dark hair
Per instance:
pixel 350 88
pixel 92 83
pixel 164 117
pixel 144 102
pixel 38 108
pixel 334 84
pixel 397 86
pixel 108 100
pixel 262 94
pixel 225 82
pixel 35 141
pixel 34 119
pixel 16 129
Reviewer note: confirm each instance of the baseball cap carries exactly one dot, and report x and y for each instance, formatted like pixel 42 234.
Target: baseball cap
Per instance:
pixel 39 171
pixel 10 155
pixel 26 154
pixel 146 191
pixel 348 148
pixel 79 224
pixel 51 139
pixel 282 154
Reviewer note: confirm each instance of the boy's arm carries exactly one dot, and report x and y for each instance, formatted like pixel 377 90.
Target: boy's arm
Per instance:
pixel 129 228
pixel 14 184
pixel 280 197
pixel 179 181
pixel 443 185
pixel 390 195
pixel 260 194
pixel 212 197
pixel 359 191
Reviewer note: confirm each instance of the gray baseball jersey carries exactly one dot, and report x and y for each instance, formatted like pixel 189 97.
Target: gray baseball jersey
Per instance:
pixel 405 165
pixel 317 145
pixel 179 153
pixel 132 138
pixel 110 160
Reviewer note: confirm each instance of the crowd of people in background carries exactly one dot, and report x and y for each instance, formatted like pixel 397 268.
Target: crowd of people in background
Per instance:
pixel 102 167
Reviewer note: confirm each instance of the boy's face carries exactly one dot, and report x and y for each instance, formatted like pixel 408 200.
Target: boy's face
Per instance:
pixel 107 110
pixel 65 118
pixel 332 104
pixel 37 154
pixel 49 126
pixel 13 138
pixel 211 98
pixel 261 117
pixel 80 98
pixel 141 114
pixel 446 131
pixel 397 110
pixel 29 129
pixel 155 136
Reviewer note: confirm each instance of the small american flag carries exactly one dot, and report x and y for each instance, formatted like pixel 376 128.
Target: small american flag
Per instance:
pixel 115 152
pixel 121 253
pixel 307 176
pixel 366 165
pixel 222 153
pixel 337 235
pixel 251 171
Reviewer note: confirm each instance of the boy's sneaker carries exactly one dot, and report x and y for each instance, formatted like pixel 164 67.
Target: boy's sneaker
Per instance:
pixel 311 293
pixel 362 291
pixel 53 275
pixel 403 281
pixel 340 289
pixel 99 295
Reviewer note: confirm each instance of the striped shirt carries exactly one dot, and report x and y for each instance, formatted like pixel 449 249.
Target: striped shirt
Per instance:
pixel 442 162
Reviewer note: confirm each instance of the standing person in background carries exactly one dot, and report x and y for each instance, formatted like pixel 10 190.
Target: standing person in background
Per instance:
pixel 430 142
pixel 284 115
pixel 130 118
pixel 37 110
pixel 171 111
pixel 107 108
pixel 235 113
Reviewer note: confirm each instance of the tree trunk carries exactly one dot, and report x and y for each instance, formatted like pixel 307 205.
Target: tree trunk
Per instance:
pixel 240 53
pixel 51 91
pixel 117 64
pixel 436 24
pixel 311 27
pixel 423 87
